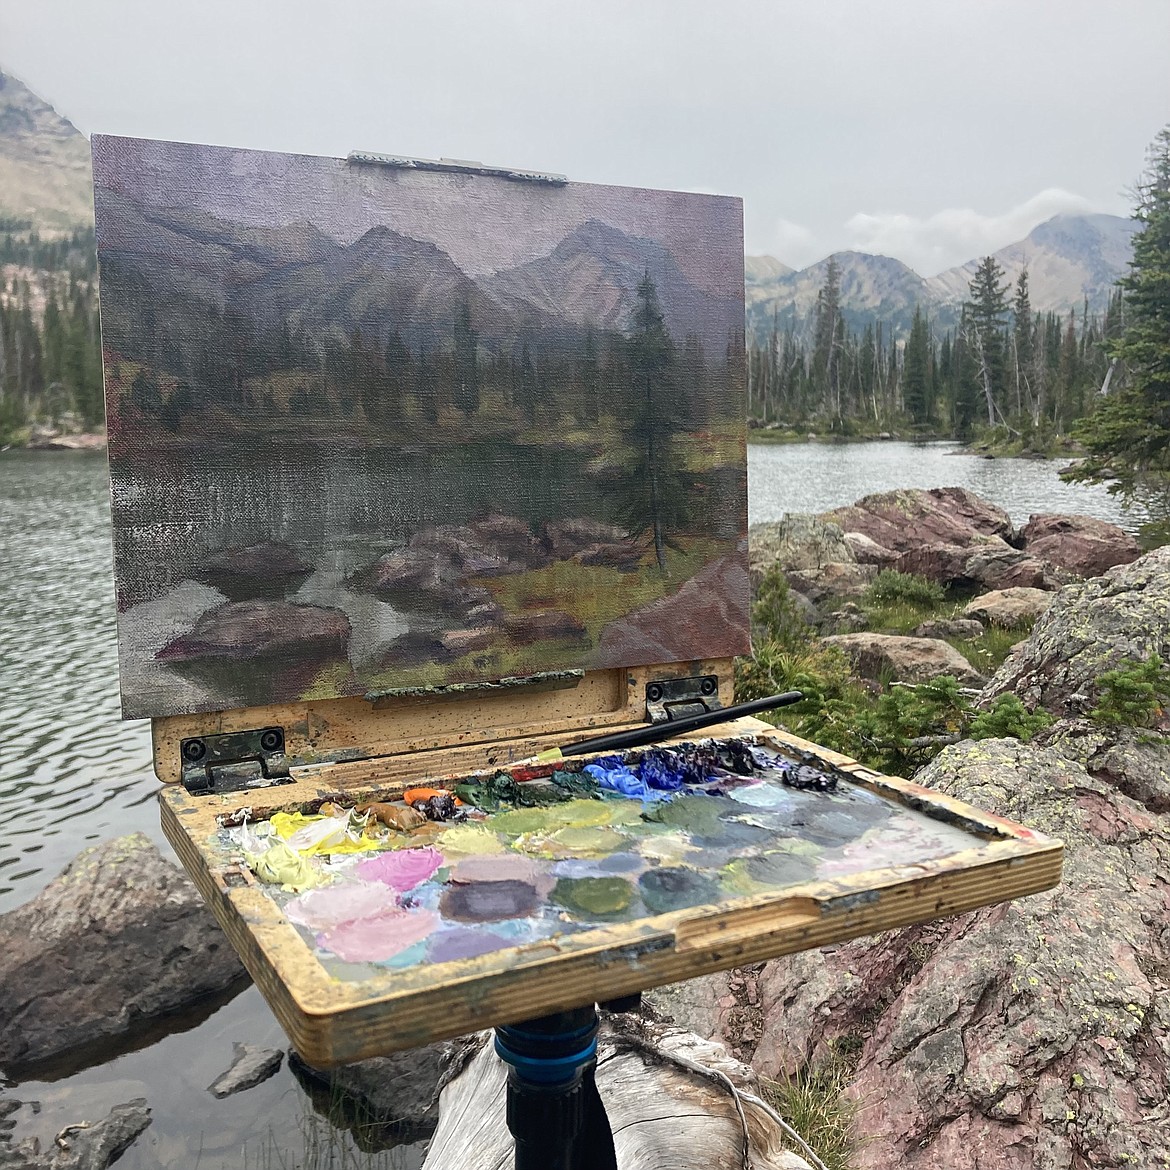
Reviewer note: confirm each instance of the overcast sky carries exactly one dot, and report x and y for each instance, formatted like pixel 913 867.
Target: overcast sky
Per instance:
pixel 929 130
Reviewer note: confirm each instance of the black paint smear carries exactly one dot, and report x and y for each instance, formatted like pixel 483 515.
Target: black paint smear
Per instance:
pixel 676 888
pixel 489 901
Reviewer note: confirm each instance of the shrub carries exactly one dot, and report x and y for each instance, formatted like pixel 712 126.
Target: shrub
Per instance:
pixel 1133 695
pixel 1007 716
pixel 891 587
pixel 776 616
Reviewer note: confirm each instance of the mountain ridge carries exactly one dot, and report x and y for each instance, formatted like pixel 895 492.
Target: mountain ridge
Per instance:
pixel 1069 257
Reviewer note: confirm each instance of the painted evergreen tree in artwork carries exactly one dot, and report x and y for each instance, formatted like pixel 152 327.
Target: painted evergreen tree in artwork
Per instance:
pixel 652 488
pixel 1128 436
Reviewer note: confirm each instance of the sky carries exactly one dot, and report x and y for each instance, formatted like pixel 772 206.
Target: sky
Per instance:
pixel 934 131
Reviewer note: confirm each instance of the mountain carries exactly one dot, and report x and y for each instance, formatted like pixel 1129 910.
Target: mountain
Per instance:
pixel 44 165
pixel 873 288
pixel 1068 258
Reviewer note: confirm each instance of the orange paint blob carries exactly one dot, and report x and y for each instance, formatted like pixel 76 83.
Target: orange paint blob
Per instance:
pixel 413 794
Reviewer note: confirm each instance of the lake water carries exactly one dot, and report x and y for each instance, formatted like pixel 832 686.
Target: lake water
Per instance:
pixel 72 774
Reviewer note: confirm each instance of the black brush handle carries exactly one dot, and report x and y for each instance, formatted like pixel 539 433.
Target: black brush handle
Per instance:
pixel 657 732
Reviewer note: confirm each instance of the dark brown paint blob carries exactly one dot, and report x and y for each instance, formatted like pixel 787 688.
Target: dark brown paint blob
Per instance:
pixel 489 901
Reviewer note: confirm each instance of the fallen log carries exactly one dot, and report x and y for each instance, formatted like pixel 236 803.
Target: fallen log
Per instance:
pixel 675 1102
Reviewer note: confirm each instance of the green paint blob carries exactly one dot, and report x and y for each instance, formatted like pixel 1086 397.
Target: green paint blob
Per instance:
pixel 576 841
pixel 693 814
pixel 753 875
pixel 597 897
pixel 676 888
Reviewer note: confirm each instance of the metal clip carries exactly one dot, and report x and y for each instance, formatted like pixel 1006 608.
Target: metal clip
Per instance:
pixel 457 166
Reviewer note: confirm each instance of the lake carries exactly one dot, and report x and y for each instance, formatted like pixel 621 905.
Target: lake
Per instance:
pixel 71 773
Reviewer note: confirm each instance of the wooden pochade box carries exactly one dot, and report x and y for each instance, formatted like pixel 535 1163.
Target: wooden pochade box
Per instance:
pixel 333 1021
pixel 418 471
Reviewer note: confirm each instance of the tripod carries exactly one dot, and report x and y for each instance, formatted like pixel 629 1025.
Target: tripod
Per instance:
pixel 554 1111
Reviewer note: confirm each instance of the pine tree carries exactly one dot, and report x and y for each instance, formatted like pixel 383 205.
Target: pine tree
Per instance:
pixel 916 392
pixel 1128 436
pixel 825 372
pixel 652 489
pixel 1024 349
pixel 985 312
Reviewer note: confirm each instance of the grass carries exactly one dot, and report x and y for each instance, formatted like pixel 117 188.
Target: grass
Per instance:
pixel 814 1104
pixel 988 652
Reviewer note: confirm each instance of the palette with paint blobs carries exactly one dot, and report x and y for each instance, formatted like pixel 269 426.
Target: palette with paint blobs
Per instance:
pixel 535 887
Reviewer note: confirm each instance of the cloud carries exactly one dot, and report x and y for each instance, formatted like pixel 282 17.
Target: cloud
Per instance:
pixel 794 244
pixel 956 234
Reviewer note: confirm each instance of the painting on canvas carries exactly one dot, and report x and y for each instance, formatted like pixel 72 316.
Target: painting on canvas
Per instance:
pixel 374 428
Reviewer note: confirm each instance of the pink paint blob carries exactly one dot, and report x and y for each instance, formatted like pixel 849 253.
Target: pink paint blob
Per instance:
pixel 370 940
pixel 402 869
pixel 329 906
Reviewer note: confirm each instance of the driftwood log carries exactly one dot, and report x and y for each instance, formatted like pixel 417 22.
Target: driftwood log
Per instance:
pixel 664 1115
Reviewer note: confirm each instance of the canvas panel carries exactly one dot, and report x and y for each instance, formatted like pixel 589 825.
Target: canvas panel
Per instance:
pixel 373 428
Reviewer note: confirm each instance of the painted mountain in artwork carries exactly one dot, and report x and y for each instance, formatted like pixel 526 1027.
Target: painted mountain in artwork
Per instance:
pixel 592 276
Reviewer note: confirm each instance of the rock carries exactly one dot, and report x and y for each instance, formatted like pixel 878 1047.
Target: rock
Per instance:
pixel 943 563
pixel 120 937
pixel 86 1145
pixel 1030 1034
pixel 250 629
pixel 407 570
pixel 251 1065
pixel 798 541
pixel 512 538
pixel 1123 616
pixel 565 538
pixel 949 628
pixel 542 625
pixel 706 618
pixel 847 620
pixel 624 555
pixel 1084 546
pixel 869 552
pixel 909 518
pixel 1010 568
pixel 416 648
pixel 467 552
pixel 1009 608
pixel 457 642
pixel 834 581
pixel 399 1091
pixel 904 659
pixel 266 570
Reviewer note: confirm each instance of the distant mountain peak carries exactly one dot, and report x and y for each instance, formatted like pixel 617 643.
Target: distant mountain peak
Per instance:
pixel 44 163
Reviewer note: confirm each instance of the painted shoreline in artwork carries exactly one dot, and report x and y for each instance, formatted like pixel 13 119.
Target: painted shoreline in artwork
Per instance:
pixel 373 428
pixel 383 886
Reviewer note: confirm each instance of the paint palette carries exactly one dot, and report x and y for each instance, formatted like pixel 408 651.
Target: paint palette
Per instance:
pixel 587 881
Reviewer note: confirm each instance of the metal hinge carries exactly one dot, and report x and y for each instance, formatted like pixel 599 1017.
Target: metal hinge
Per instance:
pixel 234 760
pixel 676 698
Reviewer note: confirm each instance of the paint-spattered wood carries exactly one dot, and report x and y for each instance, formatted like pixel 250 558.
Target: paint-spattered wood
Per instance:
pixel 333 1021
pixel 412 736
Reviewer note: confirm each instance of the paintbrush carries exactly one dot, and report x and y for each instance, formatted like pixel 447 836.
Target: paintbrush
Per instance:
pixel 657 732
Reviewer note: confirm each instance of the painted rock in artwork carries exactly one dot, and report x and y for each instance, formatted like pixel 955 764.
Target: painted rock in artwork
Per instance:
pixel 267 570
pixel 248 629
pixel 542 625
pixel 566 538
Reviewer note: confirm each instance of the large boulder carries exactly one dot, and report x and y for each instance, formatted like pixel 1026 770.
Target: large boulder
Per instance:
pixel 84 1145
pixel 1008 608
pixel 912 517
pixel 1080 544
pixel 874 656
pixel 119 938
pixel 251 629
pixel 1030 1034
pixel 798 541
pixel 1009 568
pixel 1123 616
pixel 838 580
